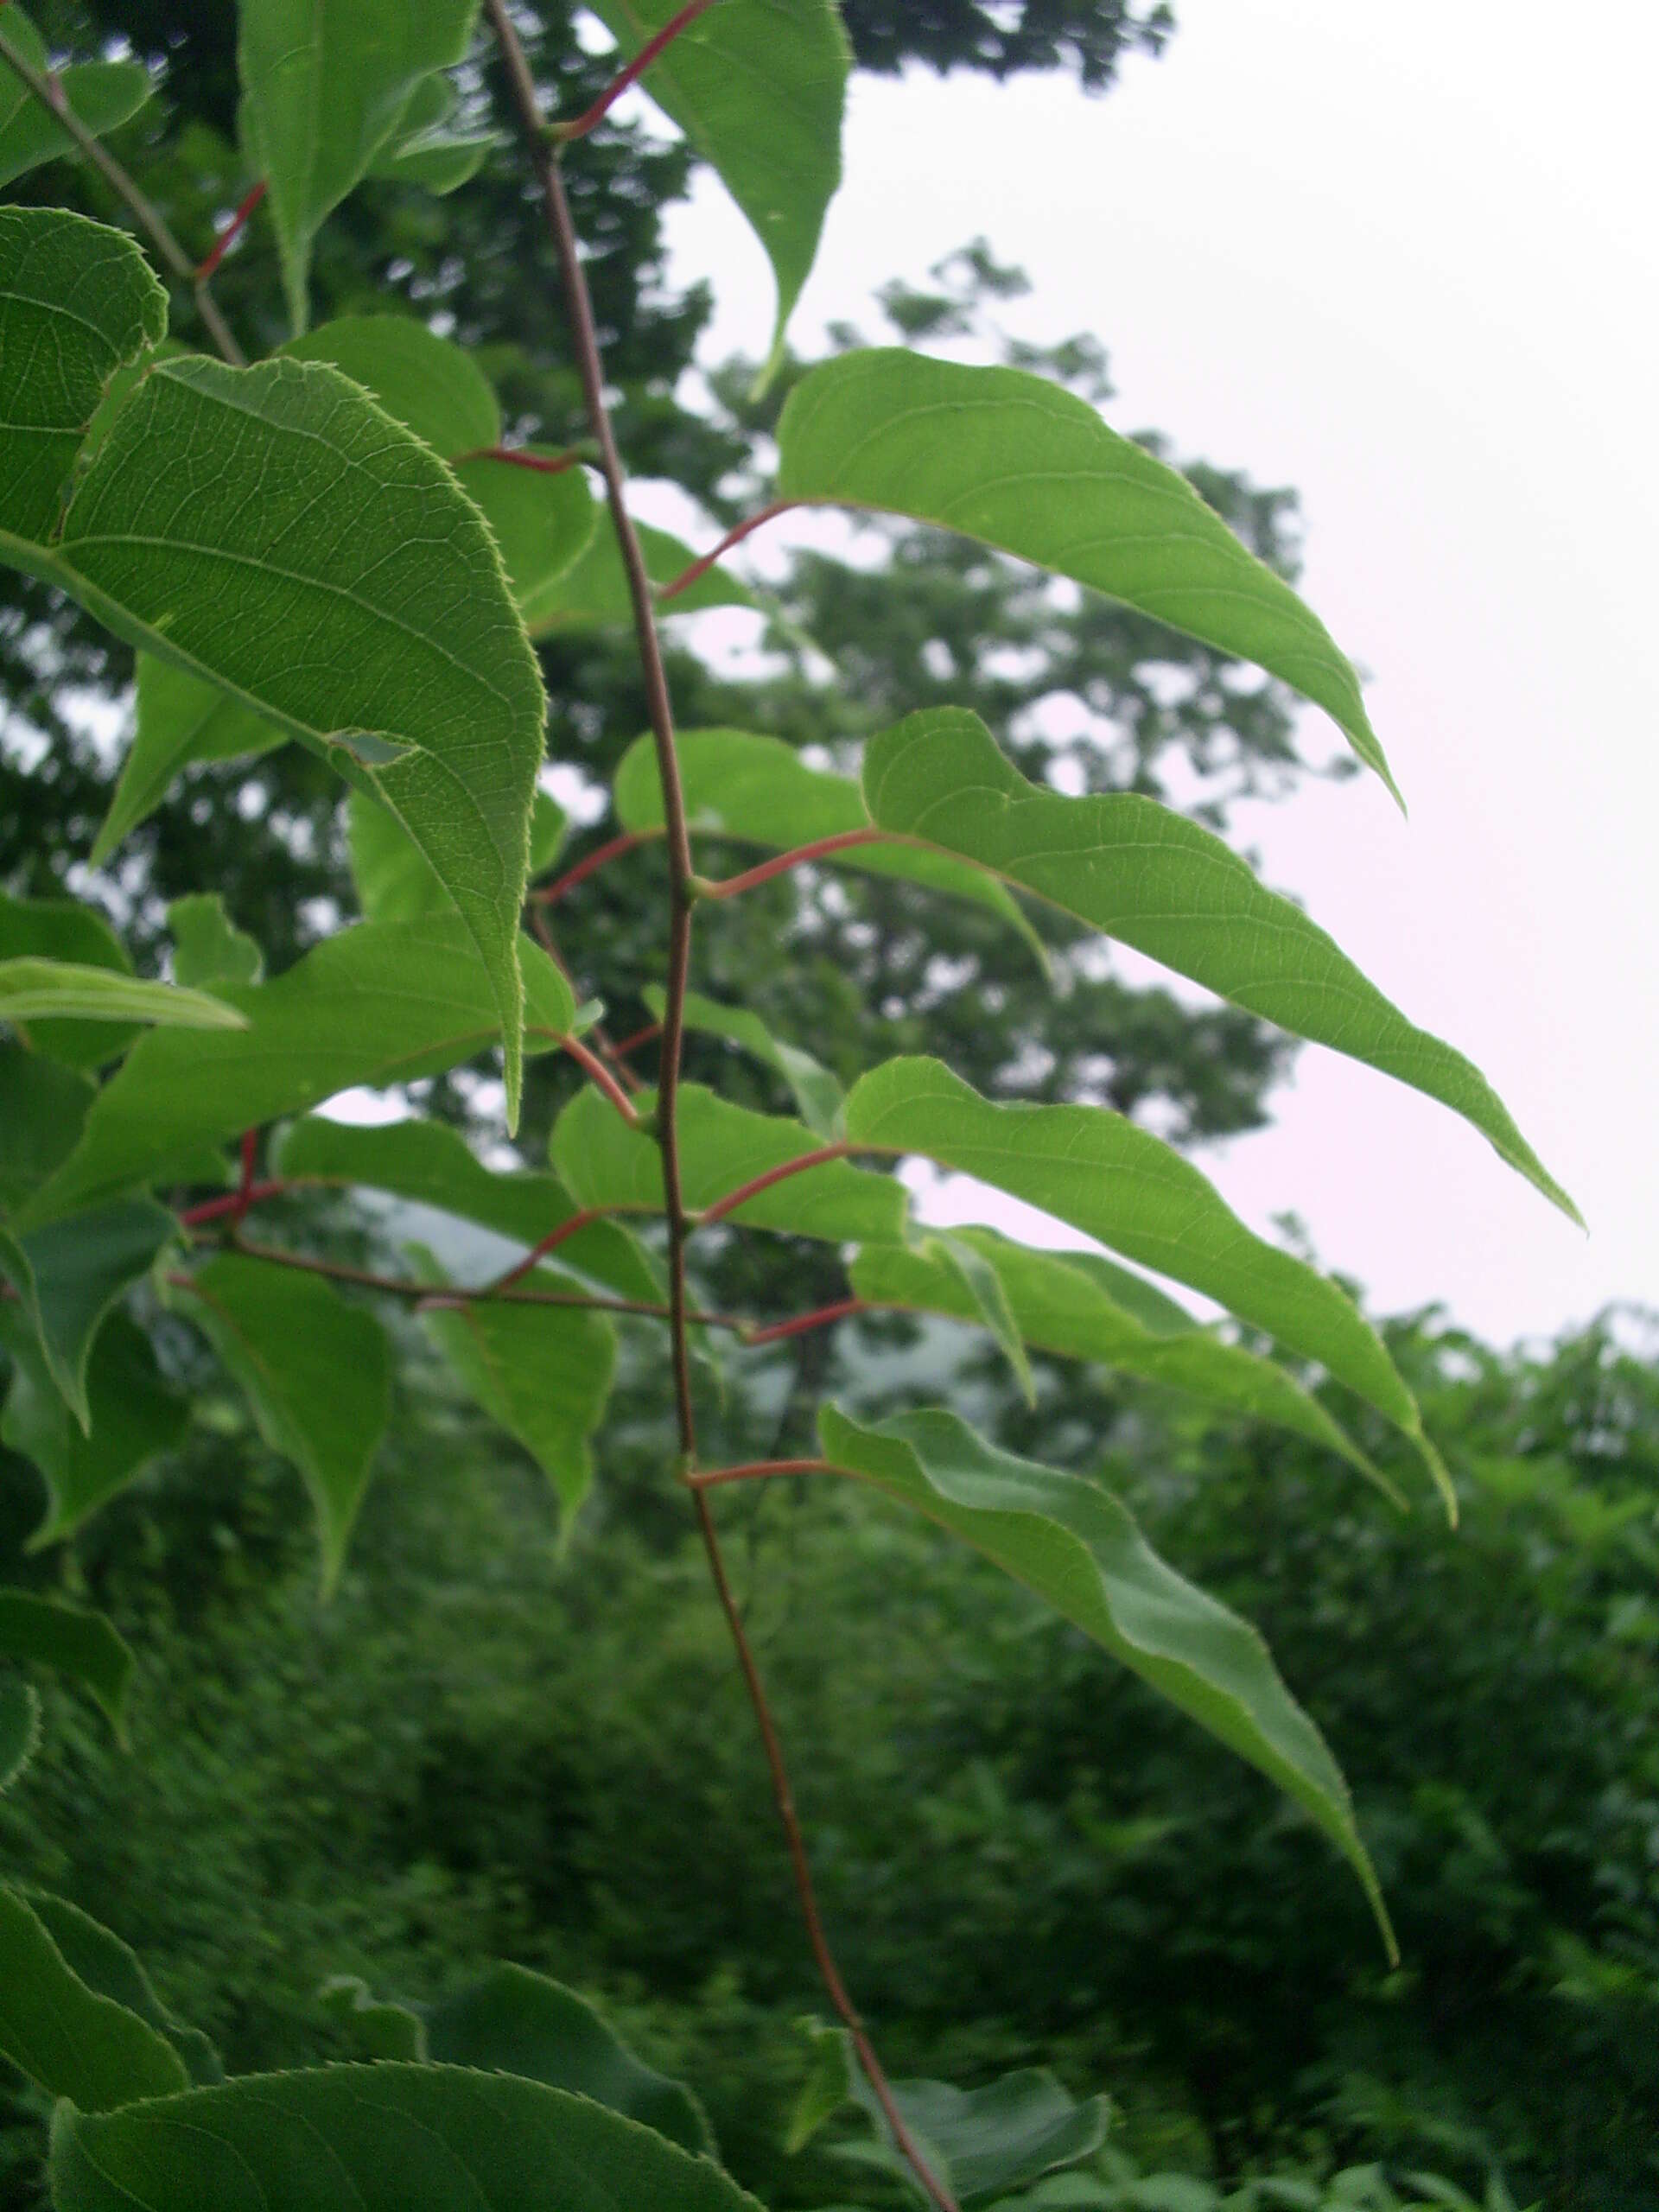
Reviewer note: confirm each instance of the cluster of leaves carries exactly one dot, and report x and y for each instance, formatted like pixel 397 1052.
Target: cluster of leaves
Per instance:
pixel 340 547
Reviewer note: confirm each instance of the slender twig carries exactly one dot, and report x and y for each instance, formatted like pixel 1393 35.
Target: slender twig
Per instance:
pixel 756 1184
pixel 687 577
pixel 819 849
pixel 236 1204
pixel 648 1035
pixel 232 231
pixel 550 1242
pixel 585 338
pixel 50 94
pixel 597 1073
pixel 784 1797
pixel 680 897
pixel 459 1294
pixel 516 457
pixel 759 1471
pixel 590 864
pixel 823 1318
pixel 636 68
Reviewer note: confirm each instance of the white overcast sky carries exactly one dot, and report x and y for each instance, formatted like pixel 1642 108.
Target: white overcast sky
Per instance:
pixel 1404 258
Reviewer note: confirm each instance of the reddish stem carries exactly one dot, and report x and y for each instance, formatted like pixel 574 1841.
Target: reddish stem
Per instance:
pixel 784 1798
pixel 652 1031
pixel 231 230
pixel 825 1316
pixel 235 1205
pixel 636 68
pixel 595 1069
pixel 752 1189
pixel 687 577
pixel 543 464
pixel 550 1242
pixel 819 849
pixel 591 865
pixel 759 1471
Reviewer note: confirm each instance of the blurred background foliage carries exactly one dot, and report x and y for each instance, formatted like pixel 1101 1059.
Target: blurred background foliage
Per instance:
pixel 484 1748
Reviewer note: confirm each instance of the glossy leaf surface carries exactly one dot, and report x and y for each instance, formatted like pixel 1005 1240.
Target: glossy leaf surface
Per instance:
pixel 182 720
pixel 1151 878
pixel 430 1165
pixel 99 94
pixel 817 1094
pixel 42 1105
pixel 62 929
pixel 1080 1550
pixel 80 1645
pixel 317 1373
pixel 542 1372
pixel 758 86
pixel 35 990
pixel 325 87
pixel 1113 1181
pixel 429 150
pixel 1059 1304
pixel 64 2035
pixel 378 1004
pixel 68 1274
pixel 1029 467
pixel 758 791
pixel 273 528
pixel 77 301
pixel 381 2139
pixel 604 1162
pixel 135 1418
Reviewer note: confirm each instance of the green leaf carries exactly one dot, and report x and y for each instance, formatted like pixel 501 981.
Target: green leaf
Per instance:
pixel 64 2035
pixel 181 721
pixel 99 94
pixel 317 1373
pixel 988 1300
pixel 978 2142
pixel 379 1004
pixel 1149 877
pixel 135 1418
pixel 427 150
pixel 394 880
pixel 111 1968
pixel 817 1094
pixel 20 1726
pixel 322 565
pixel 759 791
pixel 382 2138
pixel 542 1372
pixel 207 947
pixel 513 2021
pixel 77 301
pixel 1121 1185
pixel 430 1165
pixel 758 86
pixel 68 1273
pixel 593 591
pixel 1079 1549
pixel 606 1163
pixel 434 387
pixel 1065 1302
pixel 543 524
pixel 31 990
pixel 325 85
pixel 42 1105
pixel 46 1632
pixel 1026 466
pixel 378 2027
pixel 61 929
